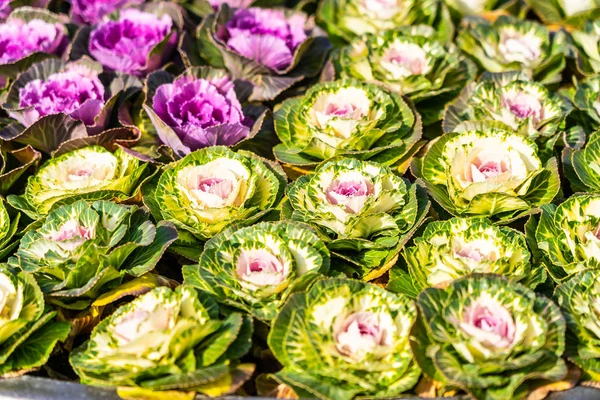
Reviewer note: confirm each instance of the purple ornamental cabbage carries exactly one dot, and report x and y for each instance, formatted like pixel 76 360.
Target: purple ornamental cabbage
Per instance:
pixel 4 8
pixel 91 12
pixel 77 92
pixel 19 39
pixel 231 3
pixel 124 45
pixel 202 112
pixel 265 36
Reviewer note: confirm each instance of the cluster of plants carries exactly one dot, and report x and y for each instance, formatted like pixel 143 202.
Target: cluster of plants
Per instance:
pixel 329 199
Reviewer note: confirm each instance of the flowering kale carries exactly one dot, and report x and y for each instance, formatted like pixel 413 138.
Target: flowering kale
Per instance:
pixel 270 49
pixel 196 110
pixel 28 31
pixel 510 44
pixel 489 336
pixel 92 11
pixel 128 43
pixel 411 62
pixel 77 91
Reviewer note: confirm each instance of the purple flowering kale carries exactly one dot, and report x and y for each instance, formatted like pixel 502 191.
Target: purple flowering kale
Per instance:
pixel 231 3
pixel 92 11
pixel 19 39
pixel 125 45
pixel 4 8
pixel 265 36
pixel 201 112
pixel 77 92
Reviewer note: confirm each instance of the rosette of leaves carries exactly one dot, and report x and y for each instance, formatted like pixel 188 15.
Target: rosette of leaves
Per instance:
pixel 586 41
pixel 448 250
pixel 345 20
pixel 579 300
pixel 268 50
pixel 82 250
pixel 357 334
pixel 581 165
pixel 362 210
pixel 55 102
pixel 166 341
pixel 28 332
pixel 345 118
pixel 481 169
pixel 257 268
pixel 564 12
pixel 585 97
pixel 90 173
pixel 511 44
pixel 523 106
pixel 567 236
pixel 211 189
pixel 489 337
pixel 177 108
pixel 115 41
pixel 29 35
pixel 410 61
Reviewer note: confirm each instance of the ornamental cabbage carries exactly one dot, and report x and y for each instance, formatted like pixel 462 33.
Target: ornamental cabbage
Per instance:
pixel 28 332
pixel 568 13
pixel 489 337
pixel 81 251
pixel 167 340
pixel 345 338
pixel 582 166
pixel 345 20
pixel 269 50
pixel 511 44
pixel 91 172
pixel 90 12
pixel 579 300
pixel 411 62
pixel 255 269
pixel 449 250
pixel 481 169
pixel 210 189
pixel 136 43
pixel 568 235
pixel 524 106
pixel 586 42
pixel 26 34
pixel 197 109
pixel 362 210
pixel 345 118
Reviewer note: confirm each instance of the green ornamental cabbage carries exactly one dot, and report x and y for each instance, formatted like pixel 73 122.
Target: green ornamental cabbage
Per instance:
pixel 569 13
pixel 81 251
pixel 484 170
pixel 363 212
pixel 28 333
pixel 511 98
pixel 579 299
pixel 449 250
pixel 345 118
pixel 345 20
pixel 167 340
pixel 90 173
pixel 255 269
pixel 410 61
pixel 586 42
pixel 511 44
pixel 345 338
pixel 586 101
pixel 568 235
pixel 212 188
pixel 582 165
pixel 489 337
